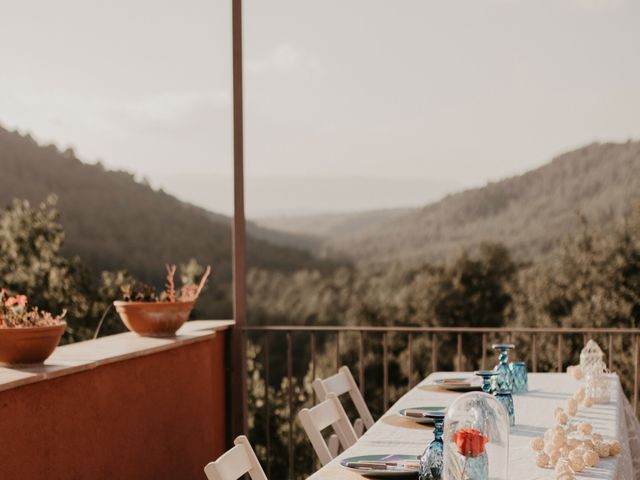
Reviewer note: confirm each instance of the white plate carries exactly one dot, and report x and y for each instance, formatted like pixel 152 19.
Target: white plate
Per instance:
pixel 460 384
pixel 421 420
pixel 382 473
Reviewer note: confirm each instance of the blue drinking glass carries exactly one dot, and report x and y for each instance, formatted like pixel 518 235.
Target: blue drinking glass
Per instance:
pixel 506 399
pixel 431 461
pixel 503 382
pixel 520 377
pixel 487 376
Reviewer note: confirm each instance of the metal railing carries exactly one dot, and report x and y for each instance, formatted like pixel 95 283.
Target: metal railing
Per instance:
pixel 455 335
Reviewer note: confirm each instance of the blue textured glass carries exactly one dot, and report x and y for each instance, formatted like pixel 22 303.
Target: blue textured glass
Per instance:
pixel 487 376
pixel 476 468
pixel 431 461
pixel 503 382
pixel 520 377
pixel 507 400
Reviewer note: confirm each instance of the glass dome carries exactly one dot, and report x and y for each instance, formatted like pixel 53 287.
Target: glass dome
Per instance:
pixel 476 439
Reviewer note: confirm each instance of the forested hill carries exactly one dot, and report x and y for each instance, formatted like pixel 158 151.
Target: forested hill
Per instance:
pixel 530 213
pixel 113 222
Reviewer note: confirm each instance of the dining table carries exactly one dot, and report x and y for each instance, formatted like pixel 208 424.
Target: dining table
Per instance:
pixel 534 413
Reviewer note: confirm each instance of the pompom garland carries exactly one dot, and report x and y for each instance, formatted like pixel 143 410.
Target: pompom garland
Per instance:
pixel 570 447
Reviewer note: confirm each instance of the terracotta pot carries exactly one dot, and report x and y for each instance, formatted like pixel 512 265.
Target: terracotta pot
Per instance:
pixel 154 319
pixel 29 345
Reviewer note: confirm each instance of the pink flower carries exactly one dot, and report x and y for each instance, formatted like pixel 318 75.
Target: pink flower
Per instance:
pixel 20 300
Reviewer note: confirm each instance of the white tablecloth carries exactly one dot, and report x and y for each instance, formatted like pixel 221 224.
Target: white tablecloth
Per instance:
pixel 534 414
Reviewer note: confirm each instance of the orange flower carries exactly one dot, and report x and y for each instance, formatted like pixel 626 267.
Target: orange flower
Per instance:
pixel 470 442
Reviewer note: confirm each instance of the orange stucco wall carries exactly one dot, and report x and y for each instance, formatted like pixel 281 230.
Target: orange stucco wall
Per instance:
pixel 158 416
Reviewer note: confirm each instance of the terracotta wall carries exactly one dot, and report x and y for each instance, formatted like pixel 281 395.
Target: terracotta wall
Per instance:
pixel 158 416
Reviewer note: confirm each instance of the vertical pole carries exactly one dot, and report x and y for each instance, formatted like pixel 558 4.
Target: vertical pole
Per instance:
pixel 337 350
pixel 361 361
pixel 290 401
pixel 410 366
pixel 636 373
pixel 267 405
pixel 385 371
pixel 239 388
pixel 434 353
pixel 559 353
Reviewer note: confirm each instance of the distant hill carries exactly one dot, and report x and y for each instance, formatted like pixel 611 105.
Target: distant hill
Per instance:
pixel 113 222
pixel 323 226
pixel 530 213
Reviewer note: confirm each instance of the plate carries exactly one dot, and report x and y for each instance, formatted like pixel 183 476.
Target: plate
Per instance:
pixel 421 420
pixel 460 384
pixel 373 473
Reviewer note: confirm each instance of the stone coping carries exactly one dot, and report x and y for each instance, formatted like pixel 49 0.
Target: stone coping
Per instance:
pixel 81 356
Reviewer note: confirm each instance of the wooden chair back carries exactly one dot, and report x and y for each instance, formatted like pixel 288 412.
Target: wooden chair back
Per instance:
pixel 341 383
pixel 327 413
pixel 235 463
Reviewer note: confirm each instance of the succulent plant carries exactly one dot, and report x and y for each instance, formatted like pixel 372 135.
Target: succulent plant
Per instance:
pixel 141 292
pixel 15 313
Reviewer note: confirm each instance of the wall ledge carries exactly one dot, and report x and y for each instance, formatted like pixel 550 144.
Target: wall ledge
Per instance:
pixel 81 356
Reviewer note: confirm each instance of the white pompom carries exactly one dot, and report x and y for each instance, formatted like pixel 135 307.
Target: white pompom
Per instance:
pixel 602 448
pixel 577 464
pixel 615 448
pixel 537 444
pixel 558 440
pixel 590 458
pixel 585 428
pixel 563 467
pixel 542 460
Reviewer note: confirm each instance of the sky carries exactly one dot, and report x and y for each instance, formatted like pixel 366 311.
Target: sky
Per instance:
pixel 349 104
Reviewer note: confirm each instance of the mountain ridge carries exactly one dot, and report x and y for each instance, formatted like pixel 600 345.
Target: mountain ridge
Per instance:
pixel 531 213
pixel 113 222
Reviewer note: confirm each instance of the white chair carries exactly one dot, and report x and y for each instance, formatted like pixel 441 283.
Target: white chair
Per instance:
pixel 238 461
pixel 341 383
pixel 316 419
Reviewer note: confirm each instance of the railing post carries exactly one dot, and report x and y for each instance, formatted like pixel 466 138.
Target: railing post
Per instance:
pixel 559 353
pixel 459 354
pixel 385 371
pixel 484 352
pixel 337 350
pixel 410 366
pixel 313 362
pixel 361 361
pixel 434 353
pixel 534 352
pixel 636 375
pixel 610 352
pixel 267 403
pixel 290 401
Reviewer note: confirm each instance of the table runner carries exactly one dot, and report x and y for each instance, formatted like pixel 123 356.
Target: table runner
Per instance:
pixel 534 414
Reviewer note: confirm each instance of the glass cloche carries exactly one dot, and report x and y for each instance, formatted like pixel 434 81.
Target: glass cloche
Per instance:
pixel 476 439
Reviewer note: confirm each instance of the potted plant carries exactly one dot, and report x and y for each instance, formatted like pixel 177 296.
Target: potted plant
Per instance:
pixel 149 314
pixel 27 335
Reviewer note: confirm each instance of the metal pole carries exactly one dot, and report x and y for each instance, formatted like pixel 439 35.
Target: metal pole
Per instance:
pixel 239 388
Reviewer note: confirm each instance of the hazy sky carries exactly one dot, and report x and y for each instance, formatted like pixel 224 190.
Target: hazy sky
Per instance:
pixel 377 94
